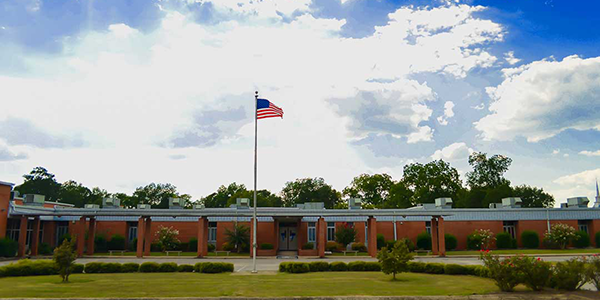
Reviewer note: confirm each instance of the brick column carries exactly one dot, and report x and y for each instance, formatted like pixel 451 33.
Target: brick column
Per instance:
pixel 442 236
pixel 35 236
pixel 300 234
pixel 140 238
pixel 434 236
pixel 321 236
pixel 252 236
pixel 91 236
pixel 23 236
pixel 202 237
pixel 148 236
pixel 372 228
pixel 4 204
pixel 50 233
pixel 80 239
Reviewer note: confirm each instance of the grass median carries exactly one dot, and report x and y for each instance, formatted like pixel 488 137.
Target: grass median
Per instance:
pixel 263 285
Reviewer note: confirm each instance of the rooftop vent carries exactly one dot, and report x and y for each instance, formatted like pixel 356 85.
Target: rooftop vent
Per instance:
pixel 443 203
pixel 243 203
pixel 91 206
pixel 311 205
pixel 176 203
pixel 111 203
pixel 144 206
pixel 198 206
pixel 354 203
pixel 512 202
pixel 34 199
pixel 577 202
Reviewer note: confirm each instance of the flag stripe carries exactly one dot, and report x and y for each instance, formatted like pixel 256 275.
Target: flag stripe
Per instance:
pixel 266 109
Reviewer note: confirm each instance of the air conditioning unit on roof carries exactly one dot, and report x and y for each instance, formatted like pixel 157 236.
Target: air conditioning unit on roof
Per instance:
pixel 243 202
pixel 91 206
pixel 354 203
pixel 34 199
pixel 110 202
pixel 144 206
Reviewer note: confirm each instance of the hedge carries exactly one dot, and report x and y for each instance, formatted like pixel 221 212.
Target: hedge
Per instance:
pixel 266 246
pixel 360 247
pixel 362 266
pixel 98 267
pixel 28 267
pixel 193 245
pixel 582 240
pixel 424 241
pixel 434 268
pixel 338 266
pixel 8 247
pixel 77 268
pixel 213 267
pixel 317 266
pixel 356 266
pixel 45 249
pixel 454 269
pixel 130 268
pixel 504 240
pixel 100 244
pixel 149 267
pixel 530 239
pixel 167 267
pixel 117 242
pixel 185 268
pixel 451 242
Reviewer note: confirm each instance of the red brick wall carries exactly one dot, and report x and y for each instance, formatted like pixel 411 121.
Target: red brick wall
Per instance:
pixel 594 228
pixel 410 230
pixel 461 229
pixel 4 202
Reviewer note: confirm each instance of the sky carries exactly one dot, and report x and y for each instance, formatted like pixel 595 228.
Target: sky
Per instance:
pixel 122 93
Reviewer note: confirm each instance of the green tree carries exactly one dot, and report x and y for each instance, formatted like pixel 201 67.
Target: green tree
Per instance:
pixel 157 195
pixel 238 237
pixel 372 189
pixel 220 198
pixel 345 234
pixel 65 256
pixel 265 198
pixel 40 181
pixel 74 193
pixel 400 196
pixel 126 200
pixel 432 180
pixel 496 194
pixel 309 190
pixel 533 197
pixel 487 172
pixel 395 260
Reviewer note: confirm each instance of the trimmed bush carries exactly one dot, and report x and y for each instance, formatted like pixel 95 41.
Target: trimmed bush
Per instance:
pixel 77 268
pixel 356 266
pixel 568 275
pixel 149 267
pixel 480 271
pixel 111 268
pixel 8 247
pixel 424 241
pixel 167 267
pixel 282 266
pixel 474 242
pixel 331 246
pixel 185 268
pixel 451 242
pixel 211 247
pixel 266 246
pixel 530 239
pixel 434 268
pixel 133 245
pixel 454 269
pixel 298 267
pixel 597 238
pixel 155 247
pixel 117 242
pixel 317 266
pixel 130 268
pixel 372 266
pixel 380 241
pixel 535 273
pixel 582 239
pixel 93 267
pixel 26 267
pixel 100 244
pixel 193 245
pixel 213 267
pixel 416 267
pixel 338 266
pixel 308 246
pixel 360 247
pixel 45 249
pixel 504 240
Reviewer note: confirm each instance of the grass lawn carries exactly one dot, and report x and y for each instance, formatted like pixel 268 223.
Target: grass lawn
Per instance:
pixel 528 251
pixel 262 285
pixel 221 254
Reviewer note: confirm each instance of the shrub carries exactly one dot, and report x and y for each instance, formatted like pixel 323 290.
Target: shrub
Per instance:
pixel 480 271
pixel 424 241
pixel 395 260
pixel 193 245
pixel 93 267
pixel 117 242
pixel 338 266
pixel 64 257
pixel 356 266
pixel 568 275
pixel 77 268
pixel 8 247
pixel 149 267
pixel 100 243
pixel 133 245
pixel 454 269
pixel 266 246
pixel 64 237
pixel 360 247
pixel 298 267
pixel 331 246
pixel 345 234
pixel 582 240
pixel 502 271
pixel 167 267
pixel 434 268
pixel 592 271
pixel 228 247
pixel 480 239
pixel 185 268
pixel 416 267
pixel 238 238
pixel 110 268
pixel 597 238
pixel 167 238
pixel 308 246
pixel 530 239
pixel 211 247
pixel 380 241
pixel 283 266
pixel 504 240
pixel 213 267
pixel 26 267
pixel 45 249
pixel 130 267
pixel 451 242
pixel 560 235
pixel 473 242
pixel 535 273
pixel 372 266
pixel 318 266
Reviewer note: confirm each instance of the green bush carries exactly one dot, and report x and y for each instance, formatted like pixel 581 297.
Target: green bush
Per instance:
pixel 133 245
pixel 308 246
pixel 582 239
pixel 167 267
pixel 149 267
pixel 93 267
pixel 424 241
pixel 338 266
pixel 298 267
pixel 318 266
pixel 454 269
pixel 380 241
pixel 480 271
pixel 211 247
pixel 63 237
pixel 372 266
pixel 266 246
pixel 117 242
pixel 284 265
pixel 100 244
pixel 98 267
pixel 45 249
pixel 597 239
pixel 155 247
pixel 434 268
pixel 213 267
pixel 193 245
pixel 331 246
pixel 8 247
pixel 535 273
pixel 416 267
pixel 504 240
pixel 185 268
pixel 568 275
pixel 26 267
pixel 474 241
pixel 77 268
pixel 356 266
pixel 502 271
pixel 592 271
pixel 451 242
pixel 530 239
pixel 360 247
pixel 130 268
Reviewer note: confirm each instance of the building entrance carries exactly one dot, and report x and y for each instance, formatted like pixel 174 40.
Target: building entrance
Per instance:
pixel 288 237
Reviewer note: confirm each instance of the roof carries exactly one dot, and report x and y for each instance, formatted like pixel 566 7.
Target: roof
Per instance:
pixel 7 183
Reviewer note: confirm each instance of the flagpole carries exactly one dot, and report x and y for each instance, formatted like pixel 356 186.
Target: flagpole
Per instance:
pixel 254 223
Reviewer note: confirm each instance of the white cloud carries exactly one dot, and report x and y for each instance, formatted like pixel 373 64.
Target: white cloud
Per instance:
pixel 453 152
pixel 448 113
pixel 576 185
pixel 590 153
pixel 510 58
pixel 555 151
pixel 7 155
pixel 544 98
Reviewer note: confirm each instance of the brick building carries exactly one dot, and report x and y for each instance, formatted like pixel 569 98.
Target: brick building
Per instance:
pixel 30 220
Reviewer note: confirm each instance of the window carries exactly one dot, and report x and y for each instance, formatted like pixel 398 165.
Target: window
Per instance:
pixel 133 232
pixel 312 232
pixel 583 226
pixel 428 227
pixel 61 230
pixel 12 229
pixel 331 231
pixel 212 232
pixel 510 227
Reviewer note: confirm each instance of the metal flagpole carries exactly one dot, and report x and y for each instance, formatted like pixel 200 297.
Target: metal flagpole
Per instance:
pixel 254 223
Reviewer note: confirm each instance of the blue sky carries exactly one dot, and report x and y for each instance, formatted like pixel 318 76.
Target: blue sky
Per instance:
pixel 118 94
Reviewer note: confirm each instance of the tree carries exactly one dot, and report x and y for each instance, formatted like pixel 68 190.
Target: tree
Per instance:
pixel 533 197
pixel 309 190
pixel 345 234
pixel 487 172
pixel 433 180
pixel 40 181
pixel 221 197
pixel 400 196
pixel 372 189
pixel 167 238
pixel 74 193
pixel 264 198
pixel 156 194
pixel 395 260
pixel 239 237
pixel 64 256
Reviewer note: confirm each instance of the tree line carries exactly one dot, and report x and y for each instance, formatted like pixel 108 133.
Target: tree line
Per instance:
pixel 421 183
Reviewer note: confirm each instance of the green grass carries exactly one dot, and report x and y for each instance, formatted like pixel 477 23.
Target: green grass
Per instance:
pixel 193 254
pixel 528 251
pixel 262 285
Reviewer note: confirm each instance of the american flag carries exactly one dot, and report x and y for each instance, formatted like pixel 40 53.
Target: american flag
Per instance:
pixel 266 109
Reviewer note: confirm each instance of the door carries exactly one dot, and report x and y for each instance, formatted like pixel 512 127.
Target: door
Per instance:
pixel 288 238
